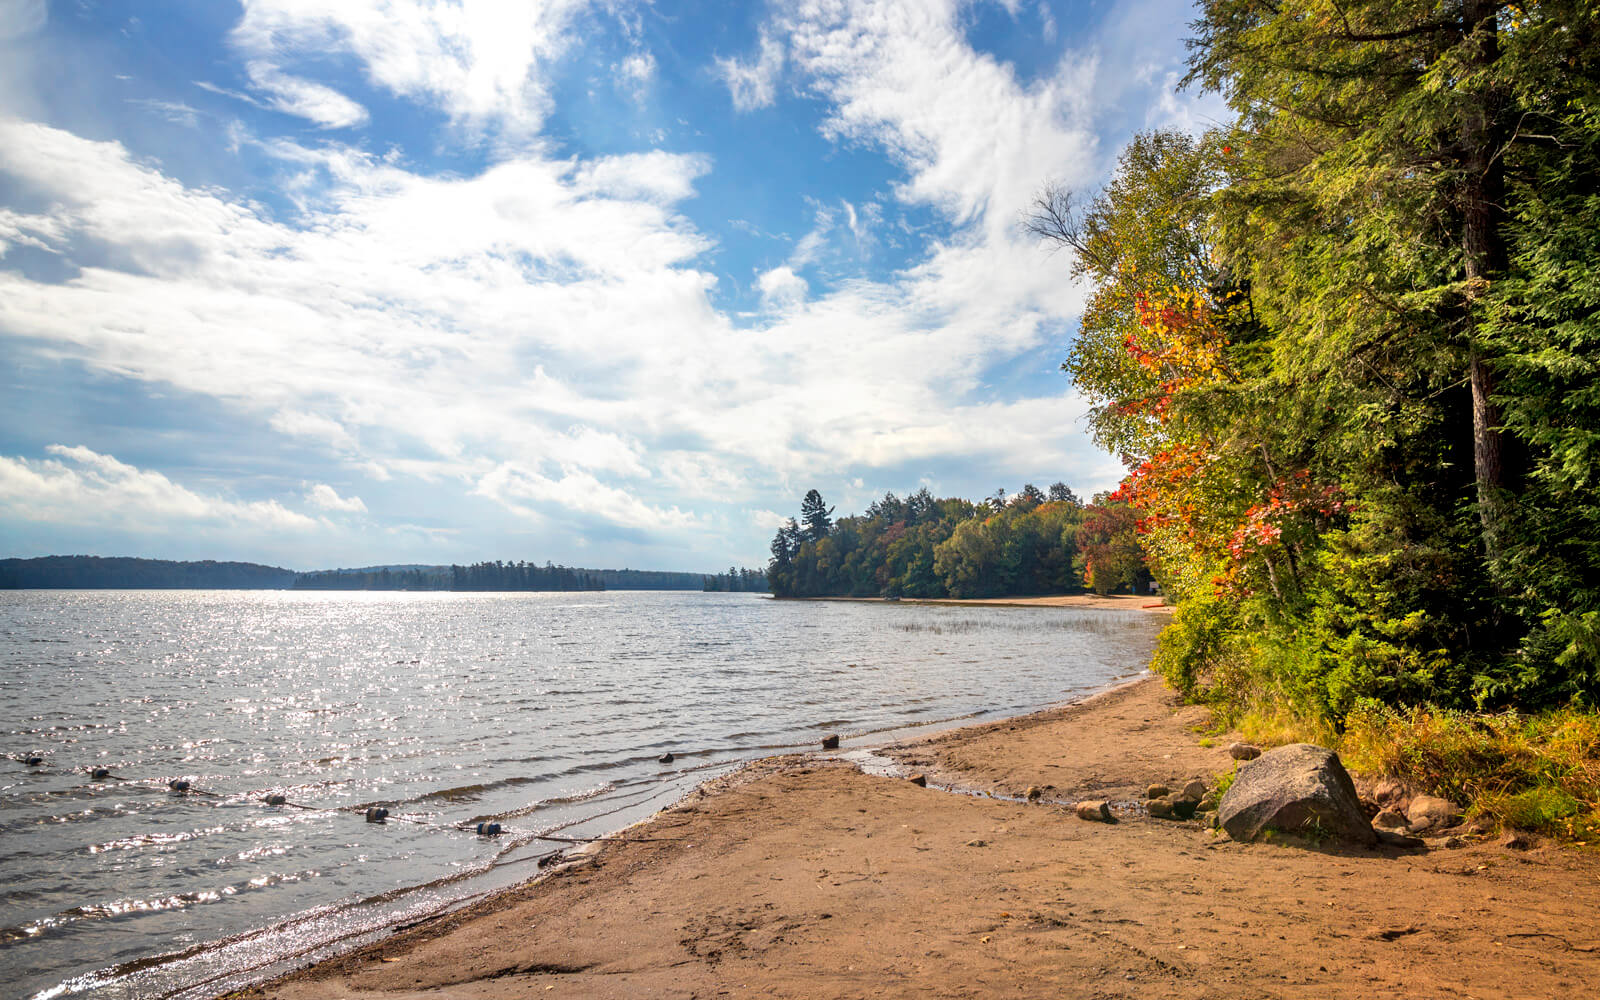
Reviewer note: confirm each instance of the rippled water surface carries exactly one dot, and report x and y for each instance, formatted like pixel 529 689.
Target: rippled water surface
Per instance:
pixel 543 712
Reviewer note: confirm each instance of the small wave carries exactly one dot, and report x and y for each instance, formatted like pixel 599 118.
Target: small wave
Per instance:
pixel 136 905
pixel 467 793
pixel 554 800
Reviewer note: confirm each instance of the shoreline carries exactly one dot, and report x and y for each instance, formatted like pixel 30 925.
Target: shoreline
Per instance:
pixel 800 875
pixel 1090 602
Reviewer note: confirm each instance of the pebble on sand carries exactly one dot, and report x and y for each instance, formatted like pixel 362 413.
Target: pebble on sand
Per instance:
pixel 1094 810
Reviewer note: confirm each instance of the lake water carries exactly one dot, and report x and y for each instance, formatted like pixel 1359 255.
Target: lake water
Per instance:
pixel 546 713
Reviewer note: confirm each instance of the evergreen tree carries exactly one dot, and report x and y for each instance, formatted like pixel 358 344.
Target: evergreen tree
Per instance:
pixel 1062 493
pixel 816 515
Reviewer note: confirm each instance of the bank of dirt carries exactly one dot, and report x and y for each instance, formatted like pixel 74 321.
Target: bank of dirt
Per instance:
pixel 803 877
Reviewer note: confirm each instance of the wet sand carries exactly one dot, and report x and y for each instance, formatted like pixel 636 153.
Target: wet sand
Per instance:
pixel 802 876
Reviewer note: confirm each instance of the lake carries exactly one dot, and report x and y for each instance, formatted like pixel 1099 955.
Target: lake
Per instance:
pixel 546 713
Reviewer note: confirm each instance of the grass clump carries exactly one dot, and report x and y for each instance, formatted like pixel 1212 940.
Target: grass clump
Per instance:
pixel 1533 772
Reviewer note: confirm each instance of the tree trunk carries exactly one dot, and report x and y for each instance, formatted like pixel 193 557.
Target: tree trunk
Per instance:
pixel 1483 252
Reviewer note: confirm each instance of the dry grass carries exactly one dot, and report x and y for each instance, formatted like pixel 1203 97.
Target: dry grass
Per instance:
pixel 1533 772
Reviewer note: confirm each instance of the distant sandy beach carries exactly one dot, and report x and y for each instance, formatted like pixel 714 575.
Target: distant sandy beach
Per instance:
pixel 802 876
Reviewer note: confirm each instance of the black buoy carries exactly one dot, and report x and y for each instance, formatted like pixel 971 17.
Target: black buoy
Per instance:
pixel 276 800
pixel 178 785
pixel 33 761
pixel 377 814
pixel 100 774
pixel 665 758
pixel 488 829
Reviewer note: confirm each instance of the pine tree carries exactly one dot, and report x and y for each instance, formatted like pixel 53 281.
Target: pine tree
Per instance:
pixel 816 515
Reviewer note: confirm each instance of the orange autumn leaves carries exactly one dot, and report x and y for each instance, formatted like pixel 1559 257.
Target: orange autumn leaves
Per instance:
pixel 1190 491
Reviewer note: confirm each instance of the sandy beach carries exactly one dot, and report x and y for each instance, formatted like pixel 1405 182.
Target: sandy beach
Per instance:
pixel 802 876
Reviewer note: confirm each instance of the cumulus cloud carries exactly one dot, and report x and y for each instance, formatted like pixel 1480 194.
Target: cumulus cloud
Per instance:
pixel 83 487
pixel 481 61
pixel 524 491
pixel 754 83
pixel 326 497
pixel 545 332
pixel 781 287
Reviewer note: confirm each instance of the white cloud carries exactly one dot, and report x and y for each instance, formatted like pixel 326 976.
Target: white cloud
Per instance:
pixel 314 426
pixel 768 520
pixel 754 84
pixel 574 492
pixel 84 487
pixel 545 333
pixel 326 497
pixel 176 112
pixel 635 73
pixel 782 288
pixel 304 98
pixel 481 61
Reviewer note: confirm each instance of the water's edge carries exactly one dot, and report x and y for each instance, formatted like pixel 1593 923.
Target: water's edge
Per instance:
pixel 861 750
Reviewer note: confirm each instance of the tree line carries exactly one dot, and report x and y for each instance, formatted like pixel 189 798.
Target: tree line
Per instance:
pixel 128 573
pixel 95 572
pixel 1036 542
pixel 1349 347
pixel 736 581
pixel 484 576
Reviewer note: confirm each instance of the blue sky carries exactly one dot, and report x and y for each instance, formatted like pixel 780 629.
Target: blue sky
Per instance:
pixel 345 282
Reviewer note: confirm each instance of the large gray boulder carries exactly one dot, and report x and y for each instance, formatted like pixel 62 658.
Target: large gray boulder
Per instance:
pixel 1298 788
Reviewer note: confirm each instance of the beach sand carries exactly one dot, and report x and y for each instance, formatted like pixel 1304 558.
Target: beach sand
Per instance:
pixel 803 877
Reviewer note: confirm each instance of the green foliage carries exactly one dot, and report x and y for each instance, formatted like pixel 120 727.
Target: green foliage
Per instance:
pixel 1349 346
pixel 922 547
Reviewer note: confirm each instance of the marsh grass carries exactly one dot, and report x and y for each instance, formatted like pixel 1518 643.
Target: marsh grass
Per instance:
pixel 1094 624
pixel 1532 772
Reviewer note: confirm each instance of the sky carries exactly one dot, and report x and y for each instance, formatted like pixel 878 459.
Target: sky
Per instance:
pixel 326 283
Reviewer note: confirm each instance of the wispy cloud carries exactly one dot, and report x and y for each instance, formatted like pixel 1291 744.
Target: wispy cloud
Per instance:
pixel 81 486
pixel 754 83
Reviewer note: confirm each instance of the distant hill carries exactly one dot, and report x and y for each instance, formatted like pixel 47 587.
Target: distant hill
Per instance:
pixel 118 573
pixel 121 572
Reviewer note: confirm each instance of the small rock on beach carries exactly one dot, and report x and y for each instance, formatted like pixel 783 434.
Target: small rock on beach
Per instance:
pixel 830 742
pixel 1429 812
pixel 1094 810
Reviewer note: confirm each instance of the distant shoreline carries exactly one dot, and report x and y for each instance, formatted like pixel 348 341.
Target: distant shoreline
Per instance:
pixel 1093 602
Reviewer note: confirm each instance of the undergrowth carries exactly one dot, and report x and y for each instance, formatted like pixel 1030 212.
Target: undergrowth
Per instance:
pixel 1533 772
pixel 1538 772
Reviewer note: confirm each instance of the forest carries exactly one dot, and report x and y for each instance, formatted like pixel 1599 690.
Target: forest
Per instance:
pixel 1348 345
pixel 1034 542
pixel 485 576
pixel 95 572
pixel 736 580
pixel 126 573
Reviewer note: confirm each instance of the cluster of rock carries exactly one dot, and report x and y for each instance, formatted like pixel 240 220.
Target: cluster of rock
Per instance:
pixel 1305 789
pixel 1177 804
